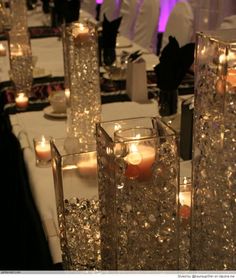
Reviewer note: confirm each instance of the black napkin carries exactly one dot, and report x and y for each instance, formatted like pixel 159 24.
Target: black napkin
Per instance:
pixel 65 10
pixel 109 34
pixel 174 63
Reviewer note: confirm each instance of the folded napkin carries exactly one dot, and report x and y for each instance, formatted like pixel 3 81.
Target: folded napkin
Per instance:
pixel 109 35
pixel 174 63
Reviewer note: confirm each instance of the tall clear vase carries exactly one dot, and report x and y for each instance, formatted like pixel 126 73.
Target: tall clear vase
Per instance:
pixel 19 19
pixel 21 64
pixel 84 105
pixel 138 177
pixel 213 227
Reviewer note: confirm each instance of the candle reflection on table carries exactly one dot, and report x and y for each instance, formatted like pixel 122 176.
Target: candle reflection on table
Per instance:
pixel 87 165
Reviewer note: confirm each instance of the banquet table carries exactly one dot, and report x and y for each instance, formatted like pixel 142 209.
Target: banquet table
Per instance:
pixel 41 179
pixel 48 57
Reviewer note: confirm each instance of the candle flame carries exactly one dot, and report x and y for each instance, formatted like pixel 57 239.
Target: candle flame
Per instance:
pixel 43 141
pixel 222 58
pixel 203 50
pixel 134 157
pixel 21 97
pixel 117 127
pixel 133 148
pixel 67 93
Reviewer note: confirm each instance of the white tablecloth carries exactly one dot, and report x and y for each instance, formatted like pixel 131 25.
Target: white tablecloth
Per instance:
pixel 49 56
pixel 28 125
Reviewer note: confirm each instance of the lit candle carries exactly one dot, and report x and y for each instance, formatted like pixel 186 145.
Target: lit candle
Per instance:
pixel 43 149
pixel 140 160
pixel 67 93
pixel 231 77
pixel 16 52
pixel 87 165
pixel 21 100
pixel 185 198
pixel 81 33
pixel 3 51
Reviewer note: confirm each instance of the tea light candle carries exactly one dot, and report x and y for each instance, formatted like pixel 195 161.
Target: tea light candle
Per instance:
pixel 43 149
pixel 81 33
pixel 140 160
pixel 3 51
pixel 21 100
pixel 87 166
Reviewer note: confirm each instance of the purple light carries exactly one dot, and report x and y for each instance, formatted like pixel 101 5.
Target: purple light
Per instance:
pixel 166 8
pixel 99 1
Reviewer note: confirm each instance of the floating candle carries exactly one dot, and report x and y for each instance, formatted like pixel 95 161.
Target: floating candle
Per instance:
pixel 185 198
pixel 81 33
pixel 140 160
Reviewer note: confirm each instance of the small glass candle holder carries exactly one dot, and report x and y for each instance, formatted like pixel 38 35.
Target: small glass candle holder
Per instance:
pixel 21 100
pixel 42 151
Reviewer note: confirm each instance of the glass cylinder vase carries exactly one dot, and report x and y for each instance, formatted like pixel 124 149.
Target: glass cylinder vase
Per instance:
pixel 19 18
pixel 213 233
pixel 21 64
pixel 84 109
pixel 138 174
pixel 76 189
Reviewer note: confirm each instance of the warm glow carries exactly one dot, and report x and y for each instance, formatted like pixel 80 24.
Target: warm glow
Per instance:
pixel 21 100
pixel 17 51
pixel 81 33
pixel 67 93
pixel 231 77
pixel 222 58
pixel 87 165
pixel 139 161
pixel 43 149
pixel 117 127
pixel 185 198
pixel 134 157
pixel 2 50
pixel 203 51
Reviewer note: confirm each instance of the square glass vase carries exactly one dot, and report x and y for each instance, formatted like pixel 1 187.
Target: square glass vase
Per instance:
pixel 76 189
pixel 138 177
